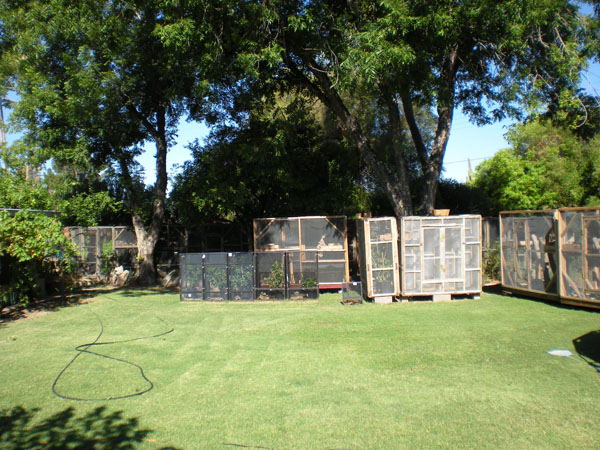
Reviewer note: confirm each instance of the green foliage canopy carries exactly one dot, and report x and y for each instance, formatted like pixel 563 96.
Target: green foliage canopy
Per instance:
pixel 488 58
pixel 34 246
pixel 284 159
pixel 96 82
pixel 546 167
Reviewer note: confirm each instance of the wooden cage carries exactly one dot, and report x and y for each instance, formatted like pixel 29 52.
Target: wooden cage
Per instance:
pixel 378 256
pixel 440 256
pixel 552 254
pixel 92 241
pixel 317 237
pixel 579 256
pixel 528 253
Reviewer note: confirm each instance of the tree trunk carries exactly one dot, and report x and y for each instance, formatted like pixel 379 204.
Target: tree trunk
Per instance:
pixel 445 108
pixel 397 192
pixel 431 174
pixel 145 246
pixel 147 237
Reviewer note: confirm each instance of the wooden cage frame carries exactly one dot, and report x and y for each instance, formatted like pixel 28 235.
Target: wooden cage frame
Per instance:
pixel 322 260
pixel 368 271
pixel 468 280
pixel 555 255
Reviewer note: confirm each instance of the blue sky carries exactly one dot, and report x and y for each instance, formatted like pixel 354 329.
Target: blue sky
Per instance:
pixel 467 141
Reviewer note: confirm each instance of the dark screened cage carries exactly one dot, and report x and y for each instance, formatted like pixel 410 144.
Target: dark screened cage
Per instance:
pixel 218 276
pixel 222 276
pixel 241 276
pixel 290 275
pixel 324 236
pixel 191 282
pixel 528 244
pixel 440 256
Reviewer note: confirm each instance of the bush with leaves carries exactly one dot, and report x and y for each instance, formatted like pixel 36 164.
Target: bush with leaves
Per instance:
pixel 491 263
pixel 36 249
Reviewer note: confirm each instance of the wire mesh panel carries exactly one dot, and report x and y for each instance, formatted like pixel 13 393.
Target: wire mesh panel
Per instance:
pixel 378 250
pixel 217 276
pixel 579 244
pixel 192 276
pixel 270 275
pixel 324 235
pixel 440 255
pixel 241 276
pixel 302 275
pixel 293 275
pixel 528 251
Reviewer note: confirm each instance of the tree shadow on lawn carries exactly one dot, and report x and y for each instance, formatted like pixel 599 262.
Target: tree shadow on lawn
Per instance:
pixel 39 307
pixel 43 306
pixel 588 347
pixel 145 291
pixel 97 429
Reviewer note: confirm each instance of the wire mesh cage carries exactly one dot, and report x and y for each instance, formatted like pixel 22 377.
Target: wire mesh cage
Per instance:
pixel 579 250
pixel 552 254
pixel 270 275
pixel 192 276
pixel 440 255
pixel 352 293
pixel 324 236
pixel 378 255
pixel 217 276
pixel 222 276
pixel 293 275
pixel 96 243
pixel 528 252
pixel 241 276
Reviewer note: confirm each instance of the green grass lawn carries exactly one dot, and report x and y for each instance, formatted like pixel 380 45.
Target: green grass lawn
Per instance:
pixel 464 374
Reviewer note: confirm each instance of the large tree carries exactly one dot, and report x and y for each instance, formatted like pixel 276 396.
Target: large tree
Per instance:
pixel 488 58
pixel 284 158
pixel 545 167
pixel 96 82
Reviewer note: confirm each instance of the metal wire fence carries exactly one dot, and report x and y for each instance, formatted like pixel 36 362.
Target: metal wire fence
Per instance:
pixel 223 276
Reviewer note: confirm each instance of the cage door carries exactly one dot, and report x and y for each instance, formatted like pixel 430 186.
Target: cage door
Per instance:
pixel 383 257
pixel 442 254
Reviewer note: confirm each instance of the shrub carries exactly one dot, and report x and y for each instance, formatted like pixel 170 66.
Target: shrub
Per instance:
pixel 491 263
pixel 35 251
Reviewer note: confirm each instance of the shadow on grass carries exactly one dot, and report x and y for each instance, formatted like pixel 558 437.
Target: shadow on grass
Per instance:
pixel 37 307
pixel 97 429
pixel 588 347
pixel 144 291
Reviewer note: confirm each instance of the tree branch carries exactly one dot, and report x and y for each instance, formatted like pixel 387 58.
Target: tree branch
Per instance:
pixel 409 115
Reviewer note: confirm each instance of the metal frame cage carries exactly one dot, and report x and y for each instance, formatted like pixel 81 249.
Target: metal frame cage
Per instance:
pixel 223 276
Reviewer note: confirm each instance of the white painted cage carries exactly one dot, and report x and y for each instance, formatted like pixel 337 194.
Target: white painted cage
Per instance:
pixel 440 255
